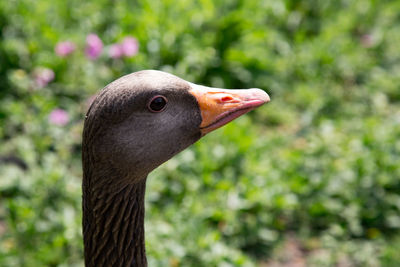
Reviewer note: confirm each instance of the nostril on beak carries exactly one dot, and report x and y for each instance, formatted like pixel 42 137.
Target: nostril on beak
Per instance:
pixel 226 98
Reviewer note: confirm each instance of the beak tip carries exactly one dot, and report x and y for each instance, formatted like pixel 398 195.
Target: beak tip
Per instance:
pixel 261 95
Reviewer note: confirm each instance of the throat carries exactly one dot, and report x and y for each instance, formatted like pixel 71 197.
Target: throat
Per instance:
pixel 113 225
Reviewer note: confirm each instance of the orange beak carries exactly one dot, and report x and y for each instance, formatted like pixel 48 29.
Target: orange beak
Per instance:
pixel 220 106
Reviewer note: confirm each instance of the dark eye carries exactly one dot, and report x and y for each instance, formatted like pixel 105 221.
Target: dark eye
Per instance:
pixel 157 103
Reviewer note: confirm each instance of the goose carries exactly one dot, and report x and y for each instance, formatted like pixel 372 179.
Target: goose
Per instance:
pixel 136 123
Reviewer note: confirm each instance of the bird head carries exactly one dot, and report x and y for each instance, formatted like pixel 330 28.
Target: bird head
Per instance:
pixel 143 119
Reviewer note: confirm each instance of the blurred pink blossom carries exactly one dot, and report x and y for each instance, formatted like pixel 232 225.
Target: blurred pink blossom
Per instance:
pixel 65 48
pixel 130 46
pixel 94 46
pixel 43 76
pixel 367 40
pixel 116 51
pixel 59 117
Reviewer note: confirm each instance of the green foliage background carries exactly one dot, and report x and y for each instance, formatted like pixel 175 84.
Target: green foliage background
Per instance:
pixel 319 164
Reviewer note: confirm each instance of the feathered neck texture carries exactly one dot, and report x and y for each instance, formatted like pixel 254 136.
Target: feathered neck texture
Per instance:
pixel 113 223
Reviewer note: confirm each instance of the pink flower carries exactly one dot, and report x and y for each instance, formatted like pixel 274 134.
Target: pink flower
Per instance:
pixel 116 51
pixel 59 117
pixel 43 76
pixel 368 40
pixel 65 48
pixel 94 46
pixel 130 46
